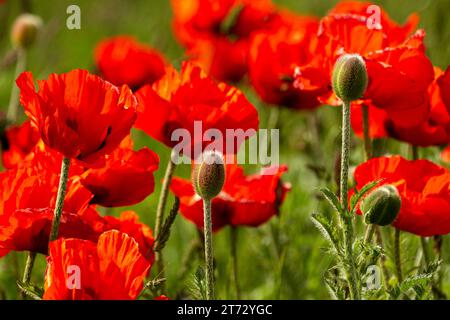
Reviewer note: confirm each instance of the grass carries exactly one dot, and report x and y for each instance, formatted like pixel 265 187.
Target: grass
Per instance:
pixel 285 257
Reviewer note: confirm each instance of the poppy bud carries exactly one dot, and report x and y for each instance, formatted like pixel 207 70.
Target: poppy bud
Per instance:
pixel 381 206
pixel 208 176
pixel 350 77
pixel 25 30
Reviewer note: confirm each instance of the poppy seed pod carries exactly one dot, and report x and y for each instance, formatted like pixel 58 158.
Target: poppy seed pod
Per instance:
pixel 382 206
pixel 208 176
pixel 25 30
pixel 350 77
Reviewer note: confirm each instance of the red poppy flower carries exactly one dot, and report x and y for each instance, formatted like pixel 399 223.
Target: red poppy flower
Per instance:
pixel 35 187
pixel 126 177
pixel 222 59
pixel 122 60
pixel 216 33
pixel 112 269
pixel 25 149
pixel 162 297
pixel 286 67
pixel 436 129
pixel 395 34
pixel 18 143
pixel 399 72
pixel 244 200
pixel 29 229
pixel 78 114
pixel 424 188
pixel 180 99
pixel 129 223
pixel 27 199
pixel 398 83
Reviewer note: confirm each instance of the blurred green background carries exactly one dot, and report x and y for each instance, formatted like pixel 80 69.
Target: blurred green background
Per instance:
pixel 282 259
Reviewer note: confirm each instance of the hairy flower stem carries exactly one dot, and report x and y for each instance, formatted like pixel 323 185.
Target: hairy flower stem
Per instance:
pixel 233 245
pixel 13 107
pixel 425 254
pixel 170 169
pixel 60 198
pixel 397 256
pixel 346 219
pixel 380 242
pixel 209 263
pixel 370 230
pixel 366 130
pixel 27 272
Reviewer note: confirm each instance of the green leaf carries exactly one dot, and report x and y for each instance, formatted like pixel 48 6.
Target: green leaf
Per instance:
pixel 334 285
pixel 332 199
pixel 30 290
pixel 197 287
pixel 418 280
pixel 327 230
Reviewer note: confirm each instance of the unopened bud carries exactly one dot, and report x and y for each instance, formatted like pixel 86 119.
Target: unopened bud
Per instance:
pixel 25 30
pixel 350 77
pixel 382 206
pixel 208 176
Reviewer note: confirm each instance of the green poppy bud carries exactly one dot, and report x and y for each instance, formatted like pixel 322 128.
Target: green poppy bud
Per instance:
pixel 25 30
pixel 381 206
pixel 208 176
pixel 350 77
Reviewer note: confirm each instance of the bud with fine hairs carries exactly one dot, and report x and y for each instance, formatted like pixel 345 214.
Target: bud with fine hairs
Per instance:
pixel 382 206
pixel 25 30
pixel 208 176
pixel 350 77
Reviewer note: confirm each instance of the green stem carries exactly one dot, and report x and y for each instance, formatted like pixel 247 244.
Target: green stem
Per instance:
pixel 380 242
pixel 345 155
pixel 425 255
pixel 170 169
pixel 370 230
pixel 397 256
pixel 346 219
pixel 209 263
pixel 415 152
pixel 438 241
pixel 13 108
pixel 233 243
pixel 274 117
pixel 27 272
pixel 366 130
pixel 60 198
